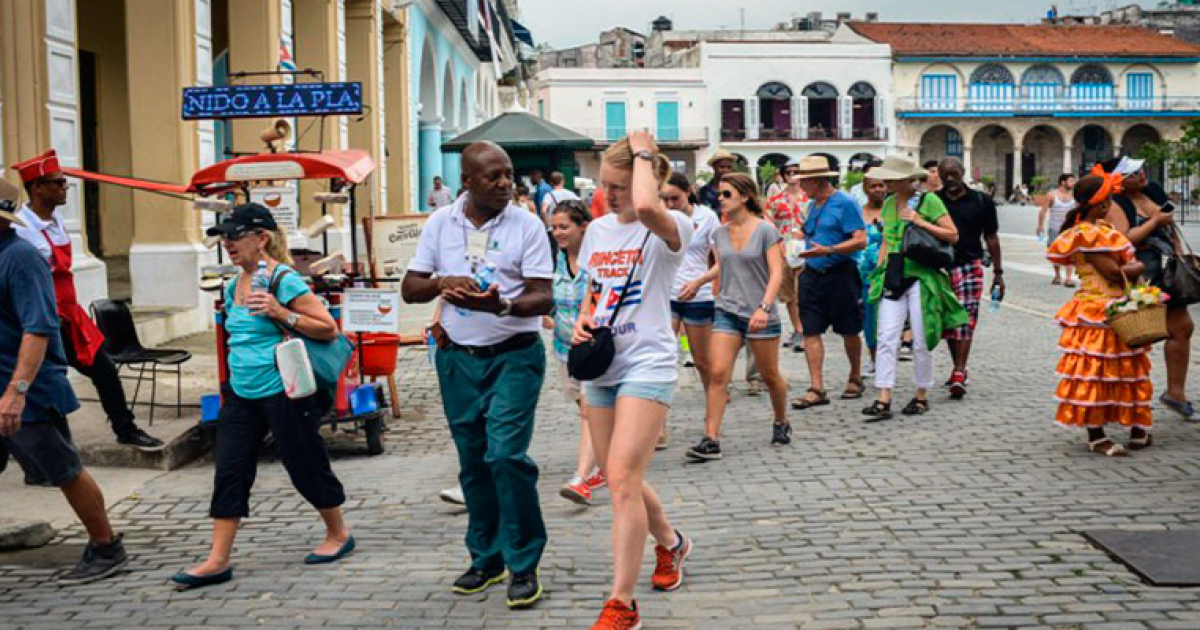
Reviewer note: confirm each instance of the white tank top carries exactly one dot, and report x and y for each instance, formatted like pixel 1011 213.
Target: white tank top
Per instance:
pixel 1059 210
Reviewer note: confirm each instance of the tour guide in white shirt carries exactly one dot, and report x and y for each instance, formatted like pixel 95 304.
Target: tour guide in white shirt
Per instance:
pixel 490 364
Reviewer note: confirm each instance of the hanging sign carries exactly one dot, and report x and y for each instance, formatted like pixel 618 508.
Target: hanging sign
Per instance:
pixel 270 101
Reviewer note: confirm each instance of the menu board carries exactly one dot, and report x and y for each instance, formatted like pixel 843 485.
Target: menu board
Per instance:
pixel 391 243
pixel 284 204
pixel 370 310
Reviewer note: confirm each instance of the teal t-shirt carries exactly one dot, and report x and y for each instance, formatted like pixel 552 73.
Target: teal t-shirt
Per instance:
pixel 252 340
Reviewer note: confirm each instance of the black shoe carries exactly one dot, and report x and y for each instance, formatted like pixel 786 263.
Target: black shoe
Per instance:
pixel 781 434
pixel 478 580
pixel 140 440
pixel 98 562
pixel 524 590
pixel 706 450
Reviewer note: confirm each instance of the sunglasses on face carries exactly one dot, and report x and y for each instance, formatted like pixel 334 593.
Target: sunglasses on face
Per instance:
pixel 233 238
pixel 727 194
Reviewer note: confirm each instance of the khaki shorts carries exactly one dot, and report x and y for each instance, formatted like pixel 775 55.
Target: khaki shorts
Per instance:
pixel 787 291
pixel 570 387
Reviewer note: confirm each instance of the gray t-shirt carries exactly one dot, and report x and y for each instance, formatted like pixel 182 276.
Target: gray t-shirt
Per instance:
pixel 745 273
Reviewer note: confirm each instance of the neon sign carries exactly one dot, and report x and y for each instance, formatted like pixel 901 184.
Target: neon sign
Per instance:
pixel 269 101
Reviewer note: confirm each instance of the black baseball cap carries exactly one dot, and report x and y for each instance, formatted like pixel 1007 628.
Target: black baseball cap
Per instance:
pixel 244 218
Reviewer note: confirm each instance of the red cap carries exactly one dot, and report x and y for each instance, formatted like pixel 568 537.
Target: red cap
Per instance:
pixel 38 167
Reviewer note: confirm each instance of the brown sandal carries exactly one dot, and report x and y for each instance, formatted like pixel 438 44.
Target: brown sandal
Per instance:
pixel 1107 447
pixel 806 402
pixel 858 388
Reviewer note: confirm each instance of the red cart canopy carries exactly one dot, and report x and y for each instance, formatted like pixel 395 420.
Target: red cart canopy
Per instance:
pixel 352 165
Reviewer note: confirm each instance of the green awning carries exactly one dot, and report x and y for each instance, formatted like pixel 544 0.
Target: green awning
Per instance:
pixel 520 131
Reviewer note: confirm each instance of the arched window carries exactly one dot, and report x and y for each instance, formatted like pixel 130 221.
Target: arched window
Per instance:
pixel 1092 89
pixel 774 91
pixel 820 91
pixel 822 111
pixel 861 90
pixel 1042 88
pixel 992 88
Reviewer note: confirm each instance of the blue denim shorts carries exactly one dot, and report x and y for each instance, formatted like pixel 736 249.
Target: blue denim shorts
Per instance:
pixel 693 313
pixel 729 323
pixel 606 396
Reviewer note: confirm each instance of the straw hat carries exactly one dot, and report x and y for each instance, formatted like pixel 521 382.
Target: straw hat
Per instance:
pixel 895 168
pixel 720 156
pixel 10 197
pixel 815 166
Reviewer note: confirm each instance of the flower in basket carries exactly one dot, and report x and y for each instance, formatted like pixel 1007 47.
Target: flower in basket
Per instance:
pixel 1136 297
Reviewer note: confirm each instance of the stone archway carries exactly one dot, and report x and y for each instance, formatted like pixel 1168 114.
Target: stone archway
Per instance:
pixel 1043 148
pixel 992 157
pixel 429 136
pixel 941 141
pixel 1092 144
pixel 1135 139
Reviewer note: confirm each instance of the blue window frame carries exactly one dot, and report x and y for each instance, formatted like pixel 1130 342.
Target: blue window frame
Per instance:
pixel 954 143
pixel 614 120
pixel 1140 90
pixel 939 92
pixel 668 121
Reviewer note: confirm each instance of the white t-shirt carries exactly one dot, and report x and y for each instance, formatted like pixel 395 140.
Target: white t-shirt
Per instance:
pixel 36 230
pixel 516 244
pixel 644 342
pixel 555 197
pixel 440 197
pixel 695 258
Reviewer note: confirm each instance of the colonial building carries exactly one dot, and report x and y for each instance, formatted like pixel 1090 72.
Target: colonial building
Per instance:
pixel 1018 101
pixel 767 96
pixel 100 81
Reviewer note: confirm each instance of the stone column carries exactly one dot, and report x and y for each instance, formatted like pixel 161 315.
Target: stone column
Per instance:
pixel 255 28
pixel 399 135
pixel 1068 154
pixel 1018 175
pixel 966 159
pixel 431 155
pixel 452 162
pixel 166 254
pixel 363 55
pixel 40 74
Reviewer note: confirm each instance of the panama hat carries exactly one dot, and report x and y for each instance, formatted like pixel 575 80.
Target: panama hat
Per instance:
pixel 720 156
pixel 10 196
pixel 895 168
pixel 815 166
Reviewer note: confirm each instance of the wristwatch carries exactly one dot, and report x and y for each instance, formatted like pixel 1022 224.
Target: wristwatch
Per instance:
pixel 22 387
pixel 645 155
pixel 505 307
pixel 764 307
pixel 292 319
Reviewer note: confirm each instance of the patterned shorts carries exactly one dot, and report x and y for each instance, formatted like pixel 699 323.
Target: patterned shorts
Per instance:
pixel 967 281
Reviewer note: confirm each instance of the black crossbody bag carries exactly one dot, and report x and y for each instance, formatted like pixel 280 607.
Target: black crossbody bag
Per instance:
pixel 589 360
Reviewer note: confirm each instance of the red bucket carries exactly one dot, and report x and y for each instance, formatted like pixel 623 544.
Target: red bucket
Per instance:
pixel 379 351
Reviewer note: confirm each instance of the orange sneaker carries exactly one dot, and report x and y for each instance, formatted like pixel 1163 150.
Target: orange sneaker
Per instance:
pixel 618 616
pixel 668 572
pixel 577 491
pixel 596 480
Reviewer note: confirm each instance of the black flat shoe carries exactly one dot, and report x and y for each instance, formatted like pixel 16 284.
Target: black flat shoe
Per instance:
pixel 878 412
pixel 915 407
pixel 185 581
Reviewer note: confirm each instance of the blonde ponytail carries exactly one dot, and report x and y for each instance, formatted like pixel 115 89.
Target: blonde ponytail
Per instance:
pixel 277 247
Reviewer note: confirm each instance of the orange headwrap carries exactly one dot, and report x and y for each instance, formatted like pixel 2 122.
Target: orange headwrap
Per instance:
pixel 1112 185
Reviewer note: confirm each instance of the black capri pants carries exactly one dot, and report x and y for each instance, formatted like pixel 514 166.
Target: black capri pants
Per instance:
pixel 294 423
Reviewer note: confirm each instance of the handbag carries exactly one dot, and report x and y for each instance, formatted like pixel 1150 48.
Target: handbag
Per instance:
pixel 327 359
pixel 589 360
pixel 1181 275
pixel 921 246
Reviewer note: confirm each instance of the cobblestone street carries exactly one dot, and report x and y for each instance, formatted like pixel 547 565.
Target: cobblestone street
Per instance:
pixel 967 517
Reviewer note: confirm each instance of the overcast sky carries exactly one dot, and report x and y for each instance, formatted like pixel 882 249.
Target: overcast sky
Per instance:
pixel 567 23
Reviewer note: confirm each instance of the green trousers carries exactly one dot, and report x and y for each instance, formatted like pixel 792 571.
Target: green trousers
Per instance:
pixel 490 405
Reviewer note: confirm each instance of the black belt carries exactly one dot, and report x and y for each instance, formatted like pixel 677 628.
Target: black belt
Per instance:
pixel 516 342
pixel 834 269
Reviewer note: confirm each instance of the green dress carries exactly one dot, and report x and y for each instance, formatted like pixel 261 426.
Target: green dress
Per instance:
pixel 940 309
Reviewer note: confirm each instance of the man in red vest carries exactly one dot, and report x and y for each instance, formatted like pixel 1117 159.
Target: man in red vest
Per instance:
pixel 46 186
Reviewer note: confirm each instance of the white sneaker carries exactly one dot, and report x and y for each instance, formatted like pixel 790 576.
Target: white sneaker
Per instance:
pixel 453 495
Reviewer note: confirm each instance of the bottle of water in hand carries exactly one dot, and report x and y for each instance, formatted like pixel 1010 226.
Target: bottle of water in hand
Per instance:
pixel 997 297
pixel 485 276
pixel 260 282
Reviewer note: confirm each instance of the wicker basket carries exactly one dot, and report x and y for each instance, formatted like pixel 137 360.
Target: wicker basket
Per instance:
pixel 1146 325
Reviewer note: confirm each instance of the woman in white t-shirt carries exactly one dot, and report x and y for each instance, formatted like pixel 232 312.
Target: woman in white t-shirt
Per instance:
pixel 692 305
pixel 627 406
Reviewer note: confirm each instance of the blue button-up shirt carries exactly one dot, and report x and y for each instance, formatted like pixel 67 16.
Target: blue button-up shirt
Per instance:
pixel 830 223
pixel 27 307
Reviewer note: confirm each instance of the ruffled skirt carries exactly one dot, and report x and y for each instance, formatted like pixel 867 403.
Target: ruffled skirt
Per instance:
pixel 1101 380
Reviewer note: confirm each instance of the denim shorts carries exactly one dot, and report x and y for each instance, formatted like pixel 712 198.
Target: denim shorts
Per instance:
pixel 45 451
pixel 606 396
pixel 729 323
pixel 693 313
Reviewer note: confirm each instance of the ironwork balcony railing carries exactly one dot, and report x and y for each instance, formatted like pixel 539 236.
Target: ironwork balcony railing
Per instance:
pixel 1049 104
pixel 815 134
pixel 664 134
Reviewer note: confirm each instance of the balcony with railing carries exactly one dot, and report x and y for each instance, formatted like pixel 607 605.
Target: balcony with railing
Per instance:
pixel 1047 102
pixel 816 133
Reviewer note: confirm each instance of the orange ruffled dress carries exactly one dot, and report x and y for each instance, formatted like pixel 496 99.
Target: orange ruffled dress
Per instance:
pixel 1102 380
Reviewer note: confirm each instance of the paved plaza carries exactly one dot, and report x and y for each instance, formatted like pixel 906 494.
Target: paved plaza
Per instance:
pixel 968 517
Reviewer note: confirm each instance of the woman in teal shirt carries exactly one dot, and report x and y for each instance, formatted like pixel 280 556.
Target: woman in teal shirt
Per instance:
pixel 906 290
pixel 255 401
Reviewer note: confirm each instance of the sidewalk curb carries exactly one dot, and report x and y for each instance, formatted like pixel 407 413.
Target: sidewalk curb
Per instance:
pixel 193 444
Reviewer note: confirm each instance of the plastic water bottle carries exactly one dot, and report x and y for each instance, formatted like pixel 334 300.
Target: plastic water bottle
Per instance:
pixel 485 276
pixel 261 280
pixel 997 297
pixel 431 342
